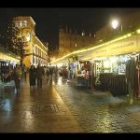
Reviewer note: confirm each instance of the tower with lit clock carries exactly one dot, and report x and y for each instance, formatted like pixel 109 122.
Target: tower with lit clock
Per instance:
pixel 27 30
pixel 35 51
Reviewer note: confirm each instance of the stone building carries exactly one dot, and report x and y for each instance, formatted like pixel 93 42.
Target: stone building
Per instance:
pixel 71 41
pixel 36 51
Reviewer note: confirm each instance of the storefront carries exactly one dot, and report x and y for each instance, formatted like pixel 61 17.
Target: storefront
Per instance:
pixel 73 67
pixel 7 63
pixel 83 76
pixel 115 63
pixel 110 74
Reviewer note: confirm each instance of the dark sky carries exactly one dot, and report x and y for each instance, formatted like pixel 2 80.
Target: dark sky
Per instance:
pixel 48 19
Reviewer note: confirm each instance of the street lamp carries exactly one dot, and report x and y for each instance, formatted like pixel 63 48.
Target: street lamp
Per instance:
pixel 115 23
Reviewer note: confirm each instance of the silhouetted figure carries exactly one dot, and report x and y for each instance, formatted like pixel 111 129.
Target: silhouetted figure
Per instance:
pixel 32 76
pixel 40 73
pixel 51 72
pixel 17 72
pixel 25 72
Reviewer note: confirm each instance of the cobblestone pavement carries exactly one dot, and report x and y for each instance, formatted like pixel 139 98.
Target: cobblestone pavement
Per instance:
pixel 61 106
pixel 100 112
pixel 35 110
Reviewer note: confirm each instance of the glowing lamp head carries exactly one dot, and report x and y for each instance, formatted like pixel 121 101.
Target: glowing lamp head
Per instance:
pixel 114 24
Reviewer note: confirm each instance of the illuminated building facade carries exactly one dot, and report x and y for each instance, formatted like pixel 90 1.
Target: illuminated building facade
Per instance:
pixel 70 41
pixel 35 51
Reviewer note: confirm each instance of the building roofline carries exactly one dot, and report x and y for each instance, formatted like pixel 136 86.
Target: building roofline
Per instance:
pixel 32 20
pixel 40 42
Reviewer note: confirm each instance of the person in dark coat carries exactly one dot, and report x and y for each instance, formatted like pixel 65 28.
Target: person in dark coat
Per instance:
pixel 17 72
pixel 32 76
pixel 40 73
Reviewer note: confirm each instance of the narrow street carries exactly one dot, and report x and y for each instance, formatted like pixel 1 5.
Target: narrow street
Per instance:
pixel 85 72
pixel 35 110
pixel 62 107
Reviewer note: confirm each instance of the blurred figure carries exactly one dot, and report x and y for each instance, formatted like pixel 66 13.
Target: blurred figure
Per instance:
pixel 40 73
pixel 32 76
pixel 25 72
pixel 17 76
pixel 50 72
pixel 47 73
pixel 56 72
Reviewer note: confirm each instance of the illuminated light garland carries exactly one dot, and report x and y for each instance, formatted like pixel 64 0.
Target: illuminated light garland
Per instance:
pixel 98 46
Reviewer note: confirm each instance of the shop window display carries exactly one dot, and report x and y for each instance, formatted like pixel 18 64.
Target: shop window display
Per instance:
pixel 5 71
pixel 83 75
pixel 108 72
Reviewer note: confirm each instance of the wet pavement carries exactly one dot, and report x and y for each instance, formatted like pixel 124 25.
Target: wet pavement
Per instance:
pixel 61 106
pixel 100 112
pixel 35 110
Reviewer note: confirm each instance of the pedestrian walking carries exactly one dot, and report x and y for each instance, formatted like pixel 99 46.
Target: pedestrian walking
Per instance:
pixel 17 76
pixel 40 73
pixel 32 76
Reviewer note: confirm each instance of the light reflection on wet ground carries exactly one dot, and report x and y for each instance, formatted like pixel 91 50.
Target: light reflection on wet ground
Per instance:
pixel 35 110
pixel 98 111
pixel 74 109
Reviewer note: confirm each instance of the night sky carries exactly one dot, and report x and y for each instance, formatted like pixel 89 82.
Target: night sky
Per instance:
pixel 48 19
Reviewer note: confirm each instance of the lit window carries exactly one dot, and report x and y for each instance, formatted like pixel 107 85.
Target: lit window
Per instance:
pixel 37 51
pixel 25 23
pixel 20 24
pixel 33 59
pixel 83 33
pixel 16 24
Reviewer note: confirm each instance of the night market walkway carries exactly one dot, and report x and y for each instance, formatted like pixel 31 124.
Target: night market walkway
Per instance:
pixel 35 110
pixel 62 106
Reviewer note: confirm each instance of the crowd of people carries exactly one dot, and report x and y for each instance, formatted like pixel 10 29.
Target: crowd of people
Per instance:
pixel 36 74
